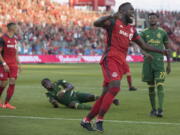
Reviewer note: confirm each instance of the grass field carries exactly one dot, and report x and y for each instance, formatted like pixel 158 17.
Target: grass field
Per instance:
pixel 35 116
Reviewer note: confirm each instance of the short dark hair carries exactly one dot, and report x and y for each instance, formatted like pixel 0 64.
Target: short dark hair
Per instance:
pixel 44 80
pixel 121 7
pixel 151 14
pixel 10 24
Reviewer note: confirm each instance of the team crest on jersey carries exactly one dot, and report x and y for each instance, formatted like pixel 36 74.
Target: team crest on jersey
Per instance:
pixel 147 36
pixel 114 74
pixel 159 35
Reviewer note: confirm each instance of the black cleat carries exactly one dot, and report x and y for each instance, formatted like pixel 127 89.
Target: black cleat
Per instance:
pixel 99 126
pixel 87 125
pixel 160 113
pixel 153 112
pixel 116 102
pixel 132 89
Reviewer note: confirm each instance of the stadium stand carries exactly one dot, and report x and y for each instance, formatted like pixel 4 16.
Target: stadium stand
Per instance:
pixel 46 27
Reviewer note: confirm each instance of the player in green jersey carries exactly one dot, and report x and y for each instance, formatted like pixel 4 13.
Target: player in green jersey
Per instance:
pixel 153 66
pixel 61 92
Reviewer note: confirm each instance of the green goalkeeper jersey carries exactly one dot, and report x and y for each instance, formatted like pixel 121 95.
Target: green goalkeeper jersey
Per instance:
pixel 156 38
pixel 68 96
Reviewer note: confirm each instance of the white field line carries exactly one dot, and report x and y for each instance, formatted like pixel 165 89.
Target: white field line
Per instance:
pixel 71 119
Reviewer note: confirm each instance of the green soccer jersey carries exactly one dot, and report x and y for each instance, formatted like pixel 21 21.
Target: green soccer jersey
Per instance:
pixel 156 38
pixel 57 87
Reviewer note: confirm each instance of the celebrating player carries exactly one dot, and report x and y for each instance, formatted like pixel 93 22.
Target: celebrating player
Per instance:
pixel 119 34
pixel 153 70
pixel 61 92
pixel 9 63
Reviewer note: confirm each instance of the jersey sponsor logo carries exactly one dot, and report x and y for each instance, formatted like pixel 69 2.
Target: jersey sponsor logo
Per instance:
pixel 114 74
pixel 11 46
pixel 130 36
pixel 159 35
pixel 153 41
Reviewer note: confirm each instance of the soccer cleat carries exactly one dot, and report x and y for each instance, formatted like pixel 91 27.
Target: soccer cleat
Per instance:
pixel 132 89
pixel 116 102
pixel 153 112
pixel 9 106
pixel 160 113
pixel 87 125
pixel 99 126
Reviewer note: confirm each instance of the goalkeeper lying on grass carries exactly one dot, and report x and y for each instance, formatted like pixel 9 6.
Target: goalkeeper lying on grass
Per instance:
pixel 61 92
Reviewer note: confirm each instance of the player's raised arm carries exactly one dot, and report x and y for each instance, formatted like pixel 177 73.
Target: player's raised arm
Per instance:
pixel 103 21
pixel 147 47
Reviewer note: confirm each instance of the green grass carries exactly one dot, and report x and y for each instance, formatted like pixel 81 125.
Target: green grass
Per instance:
pixel 30 100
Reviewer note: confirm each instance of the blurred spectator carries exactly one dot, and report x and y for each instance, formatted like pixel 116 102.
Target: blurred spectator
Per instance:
pixel 51 28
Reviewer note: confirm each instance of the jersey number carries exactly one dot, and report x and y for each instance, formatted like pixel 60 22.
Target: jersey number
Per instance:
pixel 162 75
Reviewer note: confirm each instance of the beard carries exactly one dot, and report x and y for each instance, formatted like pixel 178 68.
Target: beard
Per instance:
pixel 129 20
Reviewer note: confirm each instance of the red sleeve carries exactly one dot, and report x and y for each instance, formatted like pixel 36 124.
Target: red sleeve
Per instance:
pixel 136 35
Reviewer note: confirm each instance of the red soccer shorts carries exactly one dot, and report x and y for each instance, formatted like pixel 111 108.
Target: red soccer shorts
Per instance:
pixel 11 74
pixel 112 70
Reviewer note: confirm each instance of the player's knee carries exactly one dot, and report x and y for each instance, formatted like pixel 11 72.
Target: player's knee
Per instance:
pixel 128 74
pixel 12 81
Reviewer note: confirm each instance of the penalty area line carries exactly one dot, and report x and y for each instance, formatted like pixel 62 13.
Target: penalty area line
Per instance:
pixel 71 119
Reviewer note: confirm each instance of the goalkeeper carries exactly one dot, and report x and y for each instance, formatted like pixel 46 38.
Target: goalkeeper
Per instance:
pixel 61 92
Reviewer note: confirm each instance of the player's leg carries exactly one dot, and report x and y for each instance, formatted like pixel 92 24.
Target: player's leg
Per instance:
pixel 12 80
pixel 113 89
pixel 94 110
pixel 86 97
pixel 78 105
pixel 152 97
pixel 10 92
pixel 129 77
pixel 160 78
pixel 148 76
pixel 3 83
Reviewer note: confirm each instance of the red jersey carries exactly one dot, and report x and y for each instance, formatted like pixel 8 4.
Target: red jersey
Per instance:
pixel 9 49
pixel 118 39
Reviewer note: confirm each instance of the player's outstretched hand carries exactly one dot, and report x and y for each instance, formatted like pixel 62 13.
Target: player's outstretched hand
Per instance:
pixel 6 68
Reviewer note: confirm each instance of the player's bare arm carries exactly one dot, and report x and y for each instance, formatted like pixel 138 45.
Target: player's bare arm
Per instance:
pixel 147 47
pixel 5 66
pixel 54 102
pixel 103 21
pixel 68 87
pixel 168 68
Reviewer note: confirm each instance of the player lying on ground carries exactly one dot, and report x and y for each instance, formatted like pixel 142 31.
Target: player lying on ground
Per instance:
pixel 9 64
pixel 119 34
pixel 61 92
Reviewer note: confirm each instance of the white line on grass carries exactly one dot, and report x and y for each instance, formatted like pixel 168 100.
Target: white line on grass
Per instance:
pixel 111 121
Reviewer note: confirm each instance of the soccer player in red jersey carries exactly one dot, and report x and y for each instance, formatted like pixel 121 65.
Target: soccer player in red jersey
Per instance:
pixel 119 34
pixel 8 63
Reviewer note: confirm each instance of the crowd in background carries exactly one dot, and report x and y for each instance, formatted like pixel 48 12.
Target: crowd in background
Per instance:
pixel 50 28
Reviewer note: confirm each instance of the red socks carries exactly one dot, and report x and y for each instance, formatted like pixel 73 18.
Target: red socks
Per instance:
pixel 102 105
pixel 10 92
pixel 107 101
pixel 129 80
